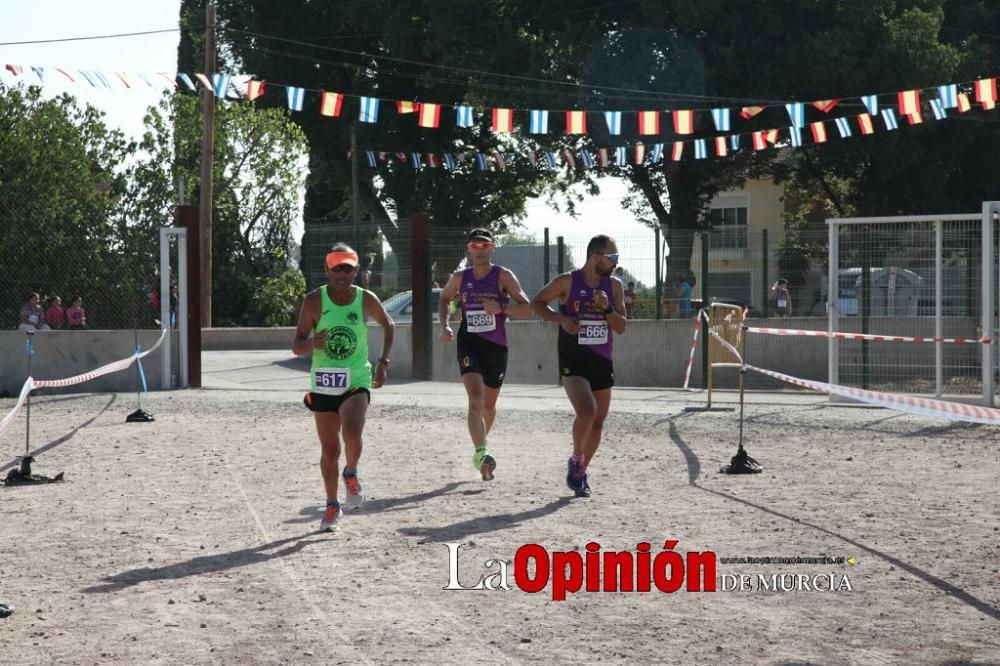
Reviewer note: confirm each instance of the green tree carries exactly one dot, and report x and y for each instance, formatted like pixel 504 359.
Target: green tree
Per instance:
pixel 257 184
pixel 279 43
pixel 61 187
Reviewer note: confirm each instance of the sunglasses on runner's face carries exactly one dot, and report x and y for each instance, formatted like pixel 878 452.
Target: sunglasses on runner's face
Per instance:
pixel 484 245
pixel 342 268
pixel 613 257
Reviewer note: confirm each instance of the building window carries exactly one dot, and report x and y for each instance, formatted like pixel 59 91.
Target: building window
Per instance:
pixel 729 227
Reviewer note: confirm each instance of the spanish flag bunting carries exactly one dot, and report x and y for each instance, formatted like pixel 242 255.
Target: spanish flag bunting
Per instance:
pixel 818 131
pixel 684 122
pixel 406 107
pixel 909 102
pixel 963 103
pixel 330 104
pixel 576 122
pixel 649 122
pixel 748 112
pixel 771 136
pixel 254 89
pixel 677 151
pixel 640 153
pixel 720 146
pixel 826 105
pixel 986 93
pixel 430 115
pixel 759 142
pixel 865 123
pixel 503 120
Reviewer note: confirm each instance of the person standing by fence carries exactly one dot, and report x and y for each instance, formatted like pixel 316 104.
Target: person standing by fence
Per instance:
pixel 485 292
pixel 591 307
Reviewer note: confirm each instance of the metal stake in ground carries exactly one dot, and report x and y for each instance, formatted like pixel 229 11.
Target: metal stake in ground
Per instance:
pixel 139 415
pixel 23 476
pixel 742 463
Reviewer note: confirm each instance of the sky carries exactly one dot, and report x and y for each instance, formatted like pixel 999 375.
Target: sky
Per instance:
pixel 60 19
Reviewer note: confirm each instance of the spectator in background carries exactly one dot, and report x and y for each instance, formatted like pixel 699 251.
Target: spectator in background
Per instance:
pixel 782 299
pixel 630 301
pixel 364 277
pixel 54 315
pixel 686 291
pixel 76 317
pixel 32 317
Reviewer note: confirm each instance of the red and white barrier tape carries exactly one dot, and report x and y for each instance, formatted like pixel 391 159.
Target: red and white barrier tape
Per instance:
pixel 694 343
pixel 942 409
pixel 7 420
pixel 865 336
pixel 30 383
pixel 735 352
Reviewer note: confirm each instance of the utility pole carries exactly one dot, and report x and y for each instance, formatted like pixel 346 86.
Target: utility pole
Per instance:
pixel 207 150
pixel 354 190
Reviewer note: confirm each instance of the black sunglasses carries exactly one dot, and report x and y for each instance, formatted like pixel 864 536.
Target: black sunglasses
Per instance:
pixel 342 268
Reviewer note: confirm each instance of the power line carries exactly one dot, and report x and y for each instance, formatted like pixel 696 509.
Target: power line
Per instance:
pixel 480 72
pixel 90 37
pixel 483 24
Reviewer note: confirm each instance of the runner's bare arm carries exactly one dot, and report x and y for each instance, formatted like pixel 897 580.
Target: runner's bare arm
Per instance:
pixel 374 309
pixel 617 320
pixel 447 294
pixel 557 288
pixel 521 308
pixel 308 317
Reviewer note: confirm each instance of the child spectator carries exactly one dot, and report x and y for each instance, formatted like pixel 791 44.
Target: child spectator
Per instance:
pixel 32 317
pixel 76 317
pixel 54 315
pixel 782 299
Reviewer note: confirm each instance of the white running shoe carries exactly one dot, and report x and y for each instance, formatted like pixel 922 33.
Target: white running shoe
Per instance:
pixel 355 491
pixel 331 519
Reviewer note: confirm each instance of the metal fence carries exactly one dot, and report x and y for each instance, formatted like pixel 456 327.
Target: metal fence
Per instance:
pixel 82 272
pixel 916 277
pixel 740 268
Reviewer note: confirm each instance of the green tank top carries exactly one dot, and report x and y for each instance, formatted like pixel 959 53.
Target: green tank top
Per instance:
pixel 342 364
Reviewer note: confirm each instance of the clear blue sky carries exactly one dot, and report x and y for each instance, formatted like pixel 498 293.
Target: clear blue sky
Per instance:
pixel 27 20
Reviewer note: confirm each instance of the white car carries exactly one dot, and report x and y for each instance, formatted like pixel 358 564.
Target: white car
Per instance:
pixel 400 306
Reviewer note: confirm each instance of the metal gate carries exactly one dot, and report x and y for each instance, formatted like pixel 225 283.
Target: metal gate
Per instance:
pixel 932 278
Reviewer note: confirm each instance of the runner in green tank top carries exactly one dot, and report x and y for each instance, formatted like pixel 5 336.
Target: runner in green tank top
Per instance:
pixel 332 326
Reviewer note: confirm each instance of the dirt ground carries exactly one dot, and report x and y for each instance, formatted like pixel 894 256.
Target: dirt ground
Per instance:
pixel 194 539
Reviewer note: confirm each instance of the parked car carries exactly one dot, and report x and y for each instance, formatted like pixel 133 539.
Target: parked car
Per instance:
pixel 847 294
pixel 400 306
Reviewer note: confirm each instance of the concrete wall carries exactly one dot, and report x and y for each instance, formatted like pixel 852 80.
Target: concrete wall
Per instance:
pixel 651 353
pixel 63 354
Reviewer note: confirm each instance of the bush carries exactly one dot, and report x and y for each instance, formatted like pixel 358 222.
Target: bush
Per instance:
pixel 277 301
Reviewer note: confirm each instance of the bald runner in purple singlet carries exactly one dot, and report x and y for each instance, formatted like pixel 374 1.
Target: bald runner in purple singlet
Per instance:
pixel 591 310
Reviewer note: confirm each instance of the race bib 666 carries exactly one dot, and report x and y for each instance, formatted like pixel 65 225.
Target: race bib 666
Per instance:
pixel 592 333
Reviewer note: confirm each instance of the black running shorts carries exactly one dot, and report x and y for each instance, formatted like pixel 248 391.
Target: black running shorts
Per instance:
pixel 576 361
pixel 482 357
pixel 320 402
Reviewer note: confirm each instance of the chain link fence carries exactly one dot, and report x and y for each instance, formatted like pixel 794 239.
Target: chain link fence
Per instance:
pixel 86 271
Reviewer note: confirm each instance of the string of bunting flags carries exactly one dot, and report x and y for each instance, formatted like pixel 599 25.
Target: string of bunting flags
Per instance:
pixel 809 122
